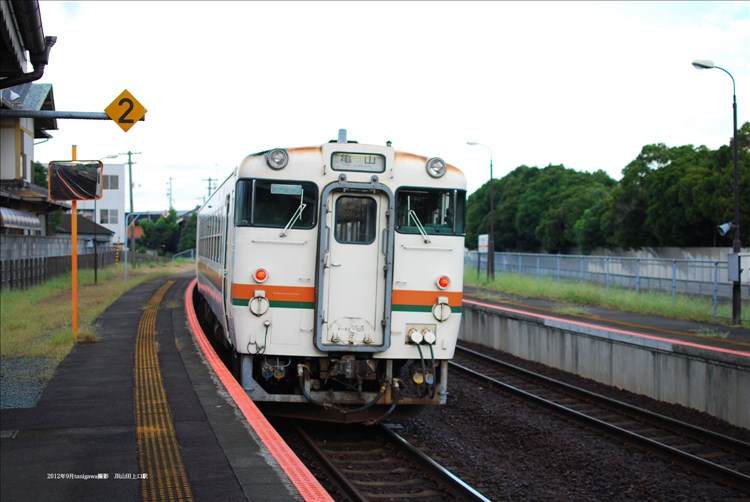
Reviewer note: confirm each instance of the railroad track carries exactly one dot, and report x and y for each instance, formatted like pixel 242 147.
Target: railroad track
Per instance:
pixel 719 457
pixel 365 463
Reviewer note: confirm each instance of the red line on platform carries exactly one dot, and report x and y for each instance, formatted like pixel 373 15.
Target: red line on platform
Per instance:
pixel 614 330
pixel 299 475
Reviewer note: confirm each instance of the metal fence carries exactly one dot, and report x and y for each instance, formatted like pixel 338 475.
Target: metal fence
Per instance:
pixel 676 276
pixel 29 260
pixel 188 254
pixel 21 273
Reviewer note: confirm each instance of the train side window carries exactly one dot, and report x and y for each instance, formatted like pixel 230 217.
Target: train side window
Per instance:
pixel 439 211
pixel 355 220
pixel 273 203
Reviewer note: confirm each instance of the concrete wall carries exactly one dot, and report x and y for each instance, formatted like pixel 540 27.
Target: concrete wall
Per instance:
pixel 709 381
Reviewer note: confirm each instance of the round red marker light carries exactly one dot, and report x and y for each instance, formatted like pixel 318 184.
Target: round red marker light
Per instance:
pixel 261 275
pixel 443 282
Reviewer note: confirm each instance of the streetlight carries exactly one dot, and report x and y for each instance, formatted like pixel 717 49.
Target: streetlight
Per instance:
pixel 705 64
pixel 491 236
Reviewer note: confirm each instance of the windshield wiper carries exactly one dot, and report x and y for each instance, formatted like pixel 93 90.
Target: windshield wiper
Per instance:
pixel 412 216
pixel 296 216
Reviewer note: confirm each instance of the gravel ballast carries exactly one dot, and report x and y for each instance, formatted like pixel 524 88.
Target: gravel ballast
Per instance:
pixel 511 450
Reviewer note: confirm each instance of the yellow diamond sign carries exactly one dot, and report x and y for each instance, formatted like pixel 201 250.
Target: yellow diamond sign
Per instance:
pixel 125 110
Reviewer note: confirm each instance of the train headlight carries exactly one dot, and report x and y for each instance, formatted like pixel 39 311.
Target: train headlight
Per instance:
pixel 260 275
pixel 277 159
pixel 443 281
pixel 436 167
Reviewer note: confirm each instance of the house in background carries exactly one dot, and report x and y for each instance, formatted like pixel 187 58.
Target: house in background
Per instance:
pixel 25 205
pixel 109 211
pixel 87 230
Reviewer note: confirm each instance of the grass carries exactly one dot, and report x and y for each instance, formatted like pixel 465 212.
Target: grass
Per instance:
pixel 37 322
pixel 575 296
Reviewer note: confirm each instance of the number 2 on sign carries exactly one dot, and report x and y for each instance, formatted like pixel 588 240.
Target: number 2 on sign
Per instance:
pixel 124 117
pixel 125 110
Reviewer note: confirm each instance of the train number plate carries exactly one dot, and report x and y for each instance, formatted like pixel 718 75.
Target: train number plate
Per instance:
pixel 360 162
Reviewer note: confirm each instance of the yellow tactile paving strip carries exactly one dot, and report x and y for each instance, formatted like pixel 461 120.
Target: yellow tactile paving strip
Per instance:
pixel 159 455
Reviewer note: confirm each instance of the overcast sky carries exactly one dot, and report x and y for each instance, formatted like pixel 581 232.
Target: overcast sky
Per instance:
pixel 584 84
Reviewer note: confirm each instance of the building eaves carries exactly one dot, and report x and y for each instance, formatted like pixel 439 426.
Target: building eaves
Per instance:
pixel 21 190
pixel 31 97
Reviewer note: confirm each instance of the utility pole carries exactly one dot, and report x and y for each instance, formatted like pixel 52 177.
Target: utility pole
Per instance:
pixel 210 186
pixel 130 178
pixel 169 191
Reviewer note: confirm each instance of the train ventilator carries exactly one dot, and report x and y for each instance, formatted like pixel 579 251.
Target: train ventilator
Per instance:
pixel 334 276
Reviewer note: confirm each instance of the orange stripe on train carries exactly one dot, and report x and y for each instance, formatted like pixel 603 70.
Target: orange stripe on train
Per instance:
pixel 307 294
pixel 274 293
pixel 409 297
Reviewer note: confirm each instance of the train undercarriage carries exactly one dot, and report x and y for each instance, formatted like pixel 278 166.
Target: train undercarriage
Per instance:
pixel 341 387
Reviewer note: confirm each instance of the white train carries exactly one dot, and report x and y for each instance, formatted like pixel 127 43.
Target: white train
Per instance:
pixel 334 274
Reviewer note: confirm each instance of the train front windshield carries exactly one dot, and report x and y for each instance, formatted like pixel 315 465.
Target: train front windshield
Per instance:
pixel 436 211
pixel 276 203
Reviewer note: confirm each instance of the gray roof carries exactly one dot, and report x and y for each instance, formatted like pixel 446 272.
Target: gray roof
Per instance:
pixel 85 226
pixel 33 97
pixel 14 218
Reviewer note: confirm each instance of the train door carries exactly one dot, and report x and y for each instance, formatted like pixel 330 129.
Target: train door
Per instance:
pixel 354 289
pixel 226 264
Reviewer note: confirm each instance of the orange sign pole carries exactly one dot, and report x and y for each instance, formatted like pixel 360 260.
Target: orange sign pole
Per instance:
pixel 74 257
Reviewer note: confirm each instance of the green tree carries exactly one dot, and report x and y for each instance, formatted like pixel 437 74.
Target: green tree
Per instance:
pixel 570 195
pixel 512 189
pixel 724 184
pixel 625 216
pixel 188 233
pixel 537 208
pixel 668 196
pixel 40 174
pixel 160 235
pixel 676 196
pixel 589 230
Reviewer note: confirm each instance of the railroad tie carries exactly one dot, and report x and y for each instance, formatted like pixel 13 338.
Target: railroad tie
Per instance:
pixel 159 458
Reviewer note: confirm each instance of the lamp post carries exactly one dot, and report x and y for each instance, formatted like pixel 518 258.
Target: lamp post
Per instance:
pixel 705 64
pixel 491 236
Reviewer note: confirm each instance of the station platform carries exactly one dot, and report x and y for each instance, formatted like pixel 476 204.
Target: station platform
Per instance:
pixel 711 336
pixel 699 365
pixel 144 414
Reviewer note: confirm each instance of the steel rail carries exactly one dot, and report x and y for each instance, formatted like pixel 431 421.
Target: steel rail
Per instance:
pixel 726 475
pixel 441 482
pixel 462 490
pixel 339 477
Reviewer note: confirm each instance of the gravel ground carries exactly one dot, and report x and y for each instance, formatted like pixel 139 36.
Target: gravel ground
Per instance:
pixel 22 381
pixel 511 450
